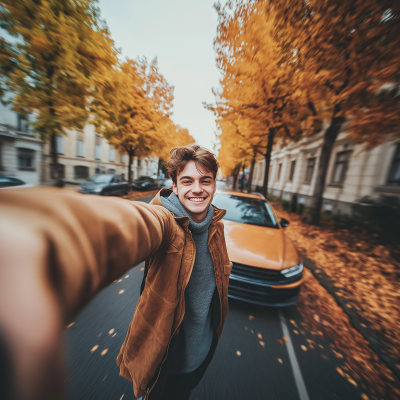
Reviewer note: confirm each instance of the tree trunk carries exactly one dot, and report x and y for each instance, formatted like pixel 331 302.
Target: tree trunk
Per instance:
pixel 242 183
pixel 58 182
pixel 235 176
pixel 249 183
pixel 267 157
pixel 159 167
pixel 330 136
pixel 131 153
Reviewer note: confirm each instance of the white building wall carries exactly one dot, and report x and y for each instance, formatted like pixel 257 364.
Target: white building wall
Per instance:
pixel 366 175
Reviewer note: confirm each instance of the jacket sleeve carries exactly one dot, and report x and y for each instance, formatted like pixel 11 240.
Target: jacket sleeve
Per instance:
pixel 89 240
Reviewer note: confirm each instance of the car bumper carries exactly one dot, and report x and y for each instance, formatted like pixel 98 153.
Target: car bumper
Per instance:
pixel 264 294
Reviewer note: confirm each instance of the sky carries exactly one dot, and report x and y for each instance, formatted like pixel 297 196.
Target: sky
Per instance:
pixel 180 34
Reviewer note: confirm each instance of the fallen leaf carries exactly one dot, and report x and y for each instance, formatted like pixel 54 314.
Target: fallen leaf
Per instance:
pixel 100 334
pixel 316 317
pixel 364 396
pixel 293 322
pixel 259 335
pixel 71 324
pixel 325 357
pixel 119 280
pixel 94 348
pixel 311 346
pixel 340 371
pixel 353 382
pixel 120 291
pixel 338 355
pixel 105 377
pixel 348 305
pixel 104 352
pixel 114 334
pixel 122 397
pixel 303 347
pixel 279 341
pixel 262 343
pixel 126 276
pixel 246 328
pixel 295 332
pixel 251 317
pixel 142 269
pixel 286 339
pixel 363 325
pixel 252 331
pixel 280 360
pixel 111 331
pixel 238 353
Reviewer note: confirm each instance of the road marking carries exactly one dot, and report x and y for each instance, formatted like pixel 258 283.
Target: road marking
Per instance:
pixel 301 387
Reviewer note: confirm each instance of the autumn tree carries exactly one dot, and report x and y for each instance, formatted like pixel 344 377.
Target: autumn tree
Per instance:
pixel 348 55
pixel 258 88
pixel 57 52
pixel 125 116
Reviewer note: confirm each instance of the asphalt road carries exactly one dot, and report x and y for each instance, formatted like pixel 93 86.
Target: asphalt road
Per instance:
pixel 244 366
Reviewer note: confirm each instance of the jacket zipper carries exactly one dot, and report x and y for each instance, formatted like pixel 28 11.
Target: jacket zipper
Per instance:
pixel 191 270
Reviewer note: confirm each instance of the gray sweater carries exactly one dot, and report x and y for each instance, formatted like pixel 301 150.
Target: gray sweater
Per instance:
pixel 189 349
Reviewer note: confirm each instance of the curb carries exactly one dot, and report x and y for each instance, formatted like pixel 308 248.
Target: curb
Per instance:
pixel 355 320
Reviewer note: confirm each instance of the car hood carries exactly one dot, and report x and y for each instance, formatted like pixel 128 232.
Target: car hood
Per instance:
pixel 259 246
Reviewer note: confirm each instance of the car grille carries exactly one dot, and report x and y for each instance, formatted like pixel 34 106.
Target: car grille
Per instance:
pixel 261 275
pixel 262 295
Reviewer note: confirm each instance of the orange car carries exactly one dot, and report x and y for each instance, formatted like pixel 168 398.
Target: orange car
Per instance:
pixel 266 267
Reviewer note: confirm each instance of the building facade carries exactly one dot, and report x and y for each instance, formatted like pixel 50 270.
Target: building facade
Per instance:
pixel 21 151
pixel 352 173
pixel 85 153
pixel 80 154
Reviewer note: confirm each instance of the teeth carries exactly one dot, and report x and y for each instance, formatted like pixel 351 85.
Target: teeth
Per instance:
pixel 196 198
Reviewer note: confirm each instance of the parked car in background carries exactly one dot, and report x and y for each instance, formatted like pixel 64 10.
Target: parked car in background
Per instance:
pixel 106 185
pixel 145 183
pixel 167 183
pixel 8 182
pixel 266 267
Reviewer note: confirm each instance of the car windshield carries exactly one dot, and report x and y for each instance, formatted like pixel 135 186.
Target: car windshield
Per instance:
pixel 143 179
pixel 101 178
pixel 246 210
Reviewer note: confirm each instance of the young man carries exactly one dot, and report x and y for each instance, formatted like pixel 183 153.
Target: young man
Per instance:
pixel 190 274
pixel 60 248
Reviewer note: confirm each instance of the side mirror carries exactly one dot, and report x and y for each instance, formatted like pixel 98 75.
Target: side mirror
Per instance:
pixel 284 223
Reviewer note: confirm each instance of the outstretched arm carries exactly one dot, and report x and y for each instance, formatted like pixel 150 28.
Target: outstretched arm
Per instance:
pixel 57 250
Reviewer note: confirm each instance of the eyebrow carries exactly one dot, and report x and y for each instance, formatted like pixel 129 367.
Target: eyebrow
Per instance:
pixel 190 177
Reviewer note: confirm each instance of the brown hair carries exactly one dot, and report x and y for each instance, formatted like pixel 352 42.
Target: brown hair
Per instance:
pixel 181 155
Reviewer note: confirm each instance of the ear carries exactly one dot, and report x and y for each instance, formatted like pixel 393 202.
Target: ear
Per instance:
pixel 174 188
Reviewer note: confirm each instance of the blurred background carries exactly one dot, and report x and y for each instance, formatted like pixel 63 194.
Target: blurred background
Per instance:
pixel 301 102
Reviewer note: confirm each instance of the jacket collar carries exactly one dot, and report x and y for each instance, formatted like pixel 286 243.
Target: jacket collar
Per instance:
pixel 218 213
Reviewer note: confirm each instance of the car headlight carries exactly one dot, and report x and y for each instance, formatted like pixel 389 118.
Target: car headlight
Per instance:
pixel 293 270
pixel 97 190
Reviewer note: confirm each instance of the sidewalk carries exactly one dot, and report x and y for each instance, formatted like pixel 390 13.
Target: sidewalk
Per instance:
pixel 362 278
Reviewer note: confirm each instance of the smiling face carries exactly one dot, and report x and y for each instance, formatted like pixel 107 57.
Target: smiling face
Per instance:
pixel 195 190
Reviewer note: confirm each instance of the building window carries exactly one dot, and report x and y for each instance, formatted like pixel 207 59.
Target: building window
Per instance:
pixel 310 169
pixel 340 168
pixel 97 152
pixel 292 168
pixel 394 173
pixel 112 154
pixel 60 170
pixel 122 158
pixel 138 162
pixel 279 171
pixel 26 159
pixel 80 148
pixel 60 144
pixel 111 171
pixel 81 172
pixel 22 124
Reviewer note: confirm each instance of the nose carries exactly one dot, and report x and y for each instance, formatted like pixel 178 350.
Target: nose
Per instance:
pixel 197 188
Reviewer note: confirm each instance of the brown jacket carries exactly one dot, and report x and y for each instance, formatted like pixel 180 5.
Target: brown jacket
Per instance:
pixel 161 307
pixel 90 241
